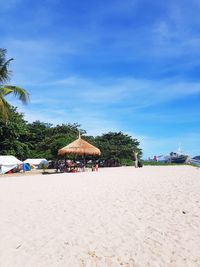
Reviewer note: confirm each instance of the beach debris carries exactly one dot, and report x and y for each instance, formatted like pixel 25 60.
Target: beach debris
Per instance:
pixel 19 246
pixel 183 212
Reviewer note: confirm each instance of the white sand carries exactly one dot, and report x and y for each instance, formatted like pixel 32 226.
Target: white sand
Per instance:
pixel 116 217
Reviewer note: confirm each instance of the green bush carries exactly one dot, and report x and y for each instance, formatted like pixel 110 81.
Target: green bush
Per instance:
pixel 126 162
pixel 43 166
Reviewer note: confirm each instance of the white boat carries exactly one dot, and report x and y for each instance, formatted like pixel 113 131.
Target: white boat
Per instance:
pixel 174 157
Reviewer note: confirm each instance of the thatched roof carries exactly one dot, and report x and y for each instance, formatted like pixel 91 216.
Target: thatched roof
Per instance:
pixel 79 147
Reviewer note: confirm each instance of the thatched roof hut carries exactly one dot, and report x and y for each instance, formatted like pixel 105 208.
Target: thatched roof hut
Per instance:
pixel 79 147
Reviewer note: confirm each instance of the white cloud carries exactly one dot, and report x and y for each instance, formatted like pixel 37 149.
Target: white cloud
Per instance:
pixel 138 93
pixel 122 96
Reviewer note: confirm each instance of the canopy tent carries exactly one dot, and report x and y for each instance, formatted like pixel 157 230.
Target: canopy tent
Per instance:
pixel 36 162
pixel 79 147
pixel 8 163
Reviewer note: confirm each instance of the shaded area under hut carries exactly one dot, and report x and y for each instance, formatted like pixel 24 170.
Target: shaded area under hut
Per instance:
pixel 78 147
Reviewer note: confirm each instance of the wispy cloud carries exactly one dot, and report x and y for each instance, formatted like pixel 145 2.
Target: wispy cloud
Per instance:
pixel 101 106
pixel 138 92
pixel 76 91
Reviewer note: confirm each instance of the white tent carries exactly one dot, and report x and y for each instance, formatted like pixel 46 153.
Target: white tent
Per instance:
pixel 36 162
pixel 8 163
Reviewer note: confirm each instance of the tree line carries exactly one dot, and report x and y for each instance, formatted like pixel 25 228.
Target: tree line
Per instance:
pixel 43 140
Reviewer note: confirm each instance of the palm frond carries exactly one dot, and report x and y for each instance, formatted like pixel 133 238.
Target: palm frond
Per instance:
pixel 18 92
pixel 5 90
pixel 4 72
pixel 4 109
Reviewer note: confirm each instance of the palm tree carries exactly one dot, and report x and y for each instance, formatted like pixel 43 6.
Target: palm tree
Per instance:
pixel 5 90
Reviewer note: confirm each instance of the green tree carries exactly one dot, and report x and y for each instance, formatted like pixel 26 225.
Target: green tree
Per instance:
pixel 45 139
pixel 6 89
pixel 62 135
pixel 118 147
pixel 13 134
pixel 37 133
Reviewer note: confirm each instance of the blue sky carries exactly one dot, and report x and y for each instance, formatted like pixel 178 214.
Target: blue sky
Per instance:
pixel 130 66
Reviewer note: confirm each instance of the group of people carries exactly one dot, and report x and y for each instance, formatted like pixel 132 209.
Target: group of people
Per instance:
pixel 79 166
pixel 72 166
pixel 69 166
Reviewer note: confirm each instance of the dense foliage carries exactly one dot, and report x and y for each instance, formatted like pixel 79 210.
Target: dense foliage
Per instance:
pixel 117 147
pixel 42 140
pixel 13 135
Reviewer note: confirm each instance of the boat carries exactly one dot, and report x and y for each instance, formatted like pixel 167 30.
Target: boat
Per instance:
pixel 177 157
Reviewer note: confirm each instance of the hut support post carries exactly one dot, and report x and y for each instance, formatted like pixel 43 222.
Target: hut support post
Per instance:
pixel 84 162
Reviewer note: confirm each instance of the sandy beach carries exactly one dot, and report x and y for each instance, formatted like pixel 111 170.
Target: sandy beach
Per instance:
pixel 115 217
